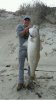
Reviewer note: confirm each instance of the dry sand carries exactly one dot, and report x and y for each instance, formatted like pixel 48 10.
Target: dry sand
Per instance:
pixel 45 83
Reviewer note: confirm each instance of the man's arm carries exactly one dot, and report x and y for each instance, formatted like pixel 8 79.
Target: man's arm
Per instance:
pixel 20 31
pixel 25 31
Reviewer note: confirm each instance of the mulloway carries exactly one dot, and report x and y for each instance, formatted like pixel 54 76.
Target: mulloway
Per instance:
pixel 33 49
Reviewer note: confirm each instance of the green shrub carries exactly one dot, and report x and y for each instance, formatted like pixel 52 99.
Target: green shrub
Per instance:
pixel 37 11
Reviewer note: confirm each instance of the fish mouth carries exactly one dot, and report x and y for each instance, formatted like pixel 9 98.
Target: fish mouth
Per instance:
pixel 31 36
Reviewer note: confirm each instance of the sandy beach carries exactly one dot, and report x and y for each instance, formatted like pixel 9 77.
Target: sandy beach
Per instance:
pixel 45 83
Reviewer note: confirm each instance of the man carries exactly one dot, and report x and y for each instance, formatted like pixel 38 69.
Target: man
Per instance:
pixel 22 33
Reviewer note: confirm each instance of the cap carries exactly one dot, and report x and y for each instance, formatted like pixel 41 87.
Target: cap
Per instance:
pixel 27 17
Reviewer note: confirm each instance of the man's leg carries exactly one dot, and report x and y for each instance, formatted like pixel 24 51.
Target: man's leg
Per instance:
pixel 21 66
pixel 21 70
pixel 22 55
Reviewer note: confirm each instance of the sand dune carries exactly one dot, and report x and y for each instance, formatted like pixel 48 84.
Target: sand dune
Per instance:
pixel 45 83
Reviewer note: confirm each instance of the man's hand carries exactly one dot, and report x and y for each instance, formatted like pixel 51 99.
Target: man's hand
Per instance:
pixel 27 29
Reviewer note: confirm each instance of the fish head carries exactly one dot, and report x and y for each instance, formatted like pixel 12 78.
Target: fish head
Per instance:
pixel 33 31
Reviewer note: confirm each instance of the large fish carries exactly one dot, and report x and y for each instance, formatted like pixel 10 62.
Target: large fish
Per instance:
pixel 33 49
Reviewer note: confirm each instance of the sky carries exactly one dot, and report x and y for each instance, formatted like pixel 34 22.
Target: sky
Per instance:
pixel 13 5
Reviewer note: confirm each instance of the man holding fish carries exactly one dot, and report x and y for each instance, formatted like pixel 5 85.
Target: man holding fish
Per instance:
pixel 23 33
